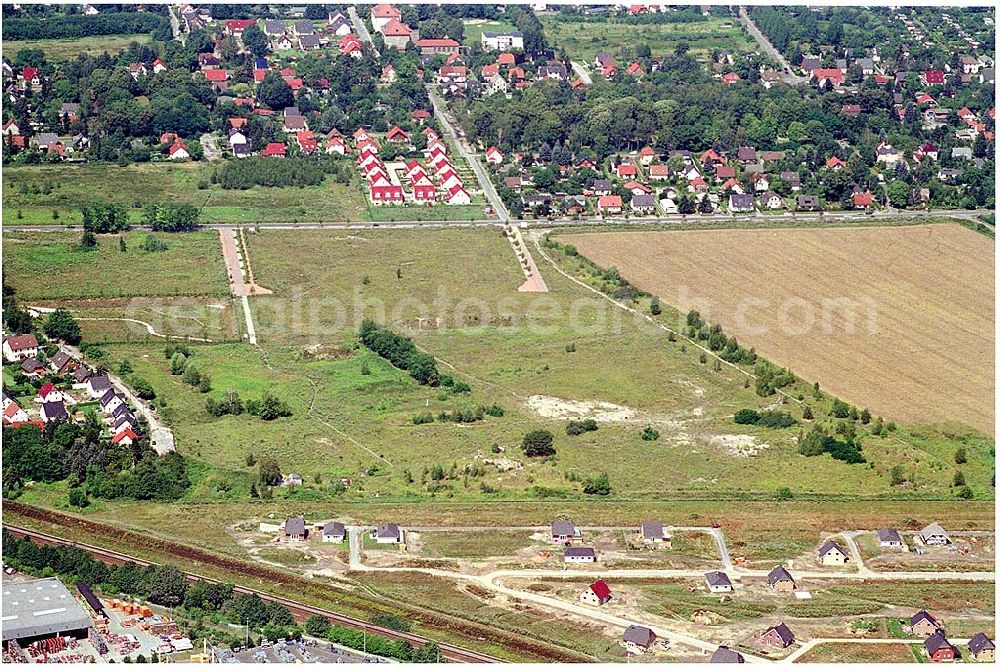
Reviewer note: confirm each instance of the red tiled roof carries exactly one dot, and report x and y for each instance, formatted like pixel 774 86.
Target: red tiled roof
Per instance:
pixel 395 29
pixel 601 589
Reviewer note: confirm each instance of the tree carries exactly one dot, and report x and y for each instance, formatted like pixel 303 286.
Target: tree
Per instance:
pixel 255 40
pixel 125 367
pixel 960 456
pixel 807 412
pixel 270 472
pixel 318 626
pixel 654 306
pixel 958 480
pixel 63 326
pixel 650 434
pixel 899 194
pixel 121 244
pixel 538 443
pixel 177 363
pixel 274 92
pixel 896 476
pixel 167 586
pixel 143 389
pixel 78 497
pixel 88 241
pixel 964 492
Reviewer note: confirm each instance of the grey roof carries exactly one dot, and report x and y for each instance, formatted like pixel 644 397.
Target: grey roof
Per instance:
pixel 31 365
pixel 961 152
pixel 69 108
pixel 387 531
pixel 652 529
pixel 122 409
pixel 47 138
pixel 738 201
pixel 126 417
pixel 921 616
pixel 726 655
pixel 829 546
pixel 274 27
pixel 100 382
pixel 291 111
pixel 936 641
pixel 108 396
pixel 334 529
pixel 308 41
pixel 601 184
pixel 61 359
pixel 640 635
pixel 783 632
pixel 489 34
pixel 578 552
pixel 888 535
pixel 746 153
pixel 562 528
pixel 295 526
pixel 791 177
pixel 304 27
pixel 778 574
pixel 643 201
pixel 933 529
pixel 54 410
pixel 810 63
pixel 40 607
pixel 979 642
pixel 718 579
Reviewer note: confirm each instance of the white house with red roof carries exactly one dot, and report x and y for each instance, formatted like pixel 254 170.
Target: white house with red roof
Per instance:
pixel 178 150
pixel 159 66
pixel 19 348
pixel 125 437
pixel 609 204
pixel 596 594
pixel 381 14
pixel 397 135
pixel 457 195
pixel 396 34
pixel 14 415
pixel 626 170
pixel 274 150
pixel 49 392
pixel 494 156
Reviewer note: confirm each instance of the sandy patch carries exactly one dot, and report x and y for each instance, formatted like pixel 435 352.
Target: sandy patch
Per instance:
pixel 602 411
pixel 739 445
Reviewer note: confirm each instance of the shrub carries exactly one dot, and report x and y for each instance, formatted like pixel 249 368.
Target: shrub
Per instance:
pixel 599 485
pixel 776 420
pixel 960 456
pixel 423 418
pixel 650 434
pixel 746 416
pixel 577 427
pixel 538 443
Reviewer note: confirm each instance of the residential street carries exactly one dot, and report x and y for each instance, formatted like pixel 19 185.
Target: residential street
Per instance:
pixel 359 25
pixel 786 72
pixel 211 148
pixel 581 71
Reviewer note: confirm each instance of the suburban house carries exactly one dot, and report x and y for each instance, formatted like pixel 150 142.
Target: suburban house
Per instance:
pixel 596 594
pixel 772 200
pixel 382 14
pixel 396 34
pixel 653 534
pixel 98 385
pixel 831 554
pixel 54 411
pixel 601 187
pixel 20 347
pixel 643 204
pixel 334 532
pixel 780 579
pixel 659 172
pixel 726 655
pixel 502 41
pixel 807 203
pixel 862 199
pixel 739 202
pixel 889 538
pixel 718 582
pixel 32 367
pixel 933 534
pixel 779 636
pixel 295 528
pixel 110 401
pixel 923 624
pixel 938 649
pixel 579 555
pixel 982 648
pixel 49 393
pixel 494 156
pixel 609 204
pixel 387 533
pixel 431 47
pixel 638 639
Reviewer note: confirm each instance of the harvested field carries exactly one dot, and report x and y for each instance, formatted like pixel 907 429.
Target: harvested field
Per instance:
pixel 896 319
pixel 855 653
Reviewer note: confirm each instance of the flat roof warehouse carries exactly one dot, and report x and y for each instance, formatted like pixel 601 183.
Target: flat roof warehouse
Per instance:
pixel 40 608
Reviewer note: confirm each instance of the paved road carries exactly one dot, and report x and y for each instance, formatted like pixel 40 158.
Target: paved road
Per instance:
pixel 211 148
pixel 444 116
pixel 360 27
pixel 847 216
pixel 175 23
pixel 852 545
pixel 581 71
pixel 787 73
pixel 160 437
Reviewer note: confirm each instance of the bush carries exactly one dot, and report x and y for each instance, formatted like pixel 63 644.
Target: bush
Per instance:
pixel 577 427
pixel 143 389
pixel 599 485
pixel 423 418
pixel 650 434
pixel 960 456
pixel 746 416
pixel 538 443
pixel 896 476
pixel 964 492
pixel 776 420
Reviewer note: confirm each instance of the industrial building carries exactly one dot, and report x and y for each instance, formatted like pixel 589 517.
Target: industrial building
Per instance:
pixel 39 609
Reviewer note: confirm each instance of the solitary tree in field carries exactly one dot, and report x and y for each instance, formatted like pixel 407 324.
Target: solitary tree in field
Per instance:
pixel 960 456
pixel 538 443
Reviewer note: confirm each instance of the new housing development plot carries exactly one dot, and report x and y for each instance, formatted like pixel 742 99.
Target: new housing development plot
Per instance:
pixel 915 340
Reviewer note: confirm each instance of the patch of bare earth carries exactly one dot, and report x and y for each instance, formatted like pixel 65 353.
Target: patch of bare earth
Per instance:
pixel 898 319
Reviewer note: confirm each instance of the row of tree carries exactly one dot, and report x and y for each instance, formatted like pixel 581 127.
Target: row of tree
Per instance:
pixel 400 351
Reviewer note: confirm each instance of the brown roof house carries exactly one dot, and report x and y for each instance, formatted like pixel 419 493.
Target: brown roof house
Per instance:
pixel 295 528
pixel 779 636
pixel 923 624
pixel 982 648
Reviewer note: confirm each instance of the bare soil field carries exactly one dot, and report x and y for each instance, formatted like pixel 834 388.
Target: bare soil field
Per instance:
pixel 896 319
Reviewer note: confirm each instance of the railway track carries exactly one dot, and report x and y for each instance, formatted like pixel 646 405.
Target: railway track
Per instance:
pixel 300 611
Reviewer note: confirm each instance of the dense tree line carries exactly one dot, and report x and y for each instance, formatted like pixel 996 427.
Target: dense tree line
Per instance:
pixel 70 27
pixel 171 217
pixel 91 463
pixel 817 442
pixel 400 351
pixel 401 649
pixel 292 171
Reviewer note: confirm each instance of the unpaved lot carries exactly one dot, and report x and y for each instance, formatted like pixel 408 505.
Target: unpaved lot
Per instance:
pixel 898 319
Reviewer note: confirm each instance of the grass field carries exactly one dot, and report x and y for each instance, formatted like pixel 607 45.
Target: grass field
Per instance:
pixel 69 49
pixel 921 349
pixel 858 653
pixel 474 29
pixel 583 39
pixel 49 266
